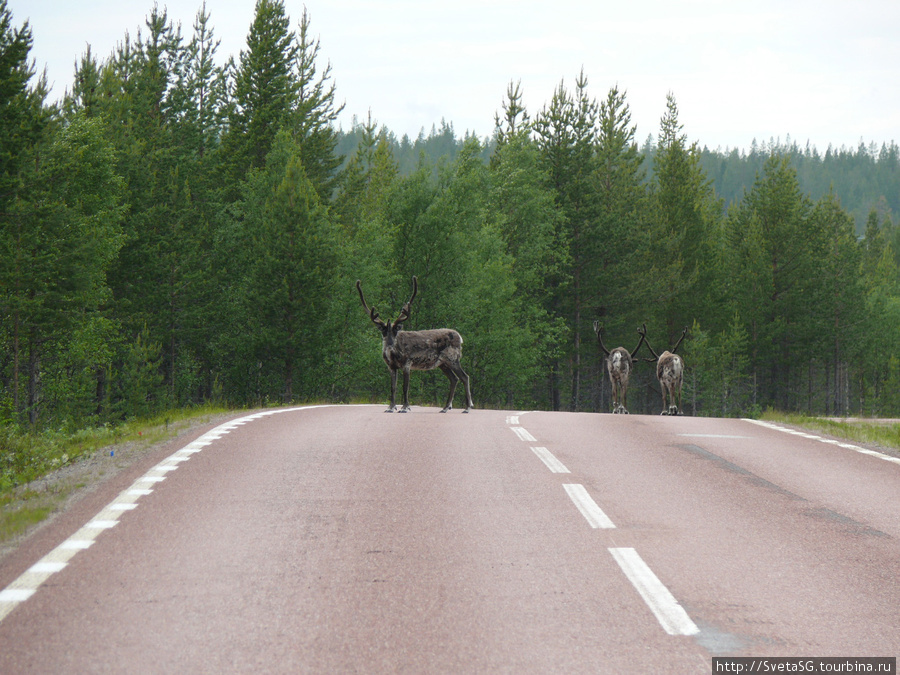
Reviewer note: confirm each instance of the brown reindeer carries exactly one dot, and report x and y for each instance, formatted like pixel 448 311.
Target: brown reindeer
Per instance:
pixel 619 363
pixel 670 373
pixel 419 350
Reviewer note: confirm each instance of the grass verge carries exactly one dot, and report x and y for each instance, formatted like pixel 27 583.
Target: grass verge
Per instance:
pixel 27 457
pixel 884 433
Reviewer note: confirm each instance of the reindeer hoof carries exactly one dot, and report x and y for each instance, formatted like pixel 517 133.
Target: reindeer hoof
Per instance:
pixel 389 410
pixel 443 410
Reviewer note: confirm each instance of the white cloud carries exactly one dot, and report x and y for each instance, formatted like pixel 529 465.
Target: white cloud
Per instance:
pixel 822 70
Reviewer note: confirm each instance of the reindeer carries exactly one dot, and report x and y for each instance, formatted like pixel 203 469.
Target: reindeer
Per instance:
pixel 670 373
pixel 619 364
pixel 419 350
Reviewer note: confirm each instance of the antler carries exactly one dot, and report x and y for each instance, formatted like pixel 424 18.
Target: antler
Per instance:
pixel 405 312
pixel 371 312
pixel 683 333
pixel 597 328
pixel 642 331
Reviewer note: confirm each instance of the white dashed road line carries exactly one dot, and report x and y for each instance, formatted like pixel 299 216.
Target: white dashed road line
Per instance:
pixel 588 507
pixel 550 460
pixel 523 434
pixel 670 614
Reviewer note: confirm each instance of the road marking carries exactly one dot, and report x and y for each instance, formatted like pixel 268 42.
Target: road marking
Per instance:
pixel 14 595
pixel 522 434
pixel 588 507
pixel 76 544
pixel 552 463
pixel 512 419
pixel 25 586
pixel 803 434
pixel 670 614
pixel 102 524
pixel 712 436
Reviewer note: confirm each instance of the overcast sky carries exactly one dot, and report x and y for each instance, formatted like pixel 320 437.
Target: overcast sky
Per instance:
pixel 823 71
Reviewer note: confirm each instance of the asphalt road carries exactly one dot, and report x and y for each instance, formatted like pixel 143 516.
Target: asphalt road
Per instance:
pixel 343 539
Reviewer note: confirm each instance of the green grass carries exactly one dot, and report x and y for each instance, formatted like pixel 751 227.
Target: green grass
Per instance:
pixel 29 510
pixel 25 457
pixel 875 432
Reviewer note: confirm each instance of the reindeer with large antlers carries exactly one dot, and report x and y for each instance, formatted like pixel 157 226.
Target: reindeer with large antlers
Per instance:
pixel 619 363
pixel 670 373
pixel 419 350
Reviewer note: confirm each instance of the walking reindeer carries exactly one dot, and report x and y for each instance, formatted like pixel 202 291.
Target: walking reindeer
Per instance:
pixel 619 363
pixel 419 350
pixel 670 373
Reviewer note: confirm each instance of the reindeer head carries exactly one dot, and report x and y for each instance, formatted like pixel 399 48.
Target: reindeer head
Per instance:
pixel 389 329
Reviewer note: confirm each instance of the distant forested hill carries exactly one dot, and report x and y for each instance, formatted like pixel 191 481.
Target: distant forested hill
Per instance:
pixel 440 145
pixel 864 179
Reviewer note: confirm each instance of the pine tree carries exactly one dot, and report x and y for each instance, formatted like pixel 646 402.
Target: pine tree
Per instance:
pixel 515 122
pixel 68 233
pixel 264 89
pixel 683 211
pixel 834 296
pixel 314 114
pixel 21 123
pixel 566 134
pixel 284 303
pixel 772 254
pixel 526 213
pixel 25 125
pixel 618 181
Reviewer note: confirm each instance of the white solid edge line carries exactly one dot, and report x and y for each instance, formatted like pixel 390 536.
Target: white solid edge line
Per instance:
pixel 588 507
pixel 550 460
pixel 856 448
pixel 12 595
pixel 670 614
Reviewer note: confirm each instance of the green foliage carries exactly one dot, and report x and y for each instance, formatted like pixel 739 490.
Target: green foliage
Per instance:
pixel 177 233
pixel 717 379
pixel 292 252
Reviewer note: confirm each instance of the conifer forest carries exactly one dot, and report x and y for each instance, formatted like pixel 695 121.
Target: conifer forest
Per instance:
pixel 175 232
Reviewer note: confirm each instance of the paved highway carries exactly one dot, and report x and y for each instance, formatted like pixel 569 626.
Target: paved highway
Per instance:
pixel 343 539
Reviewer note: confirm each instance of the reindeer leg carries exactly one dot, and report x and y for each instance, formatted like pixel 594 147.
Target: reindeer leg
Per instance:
pixel 465 378
pixel 462 375
pixel 405 407
pixel 393 391
pixel 454 380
